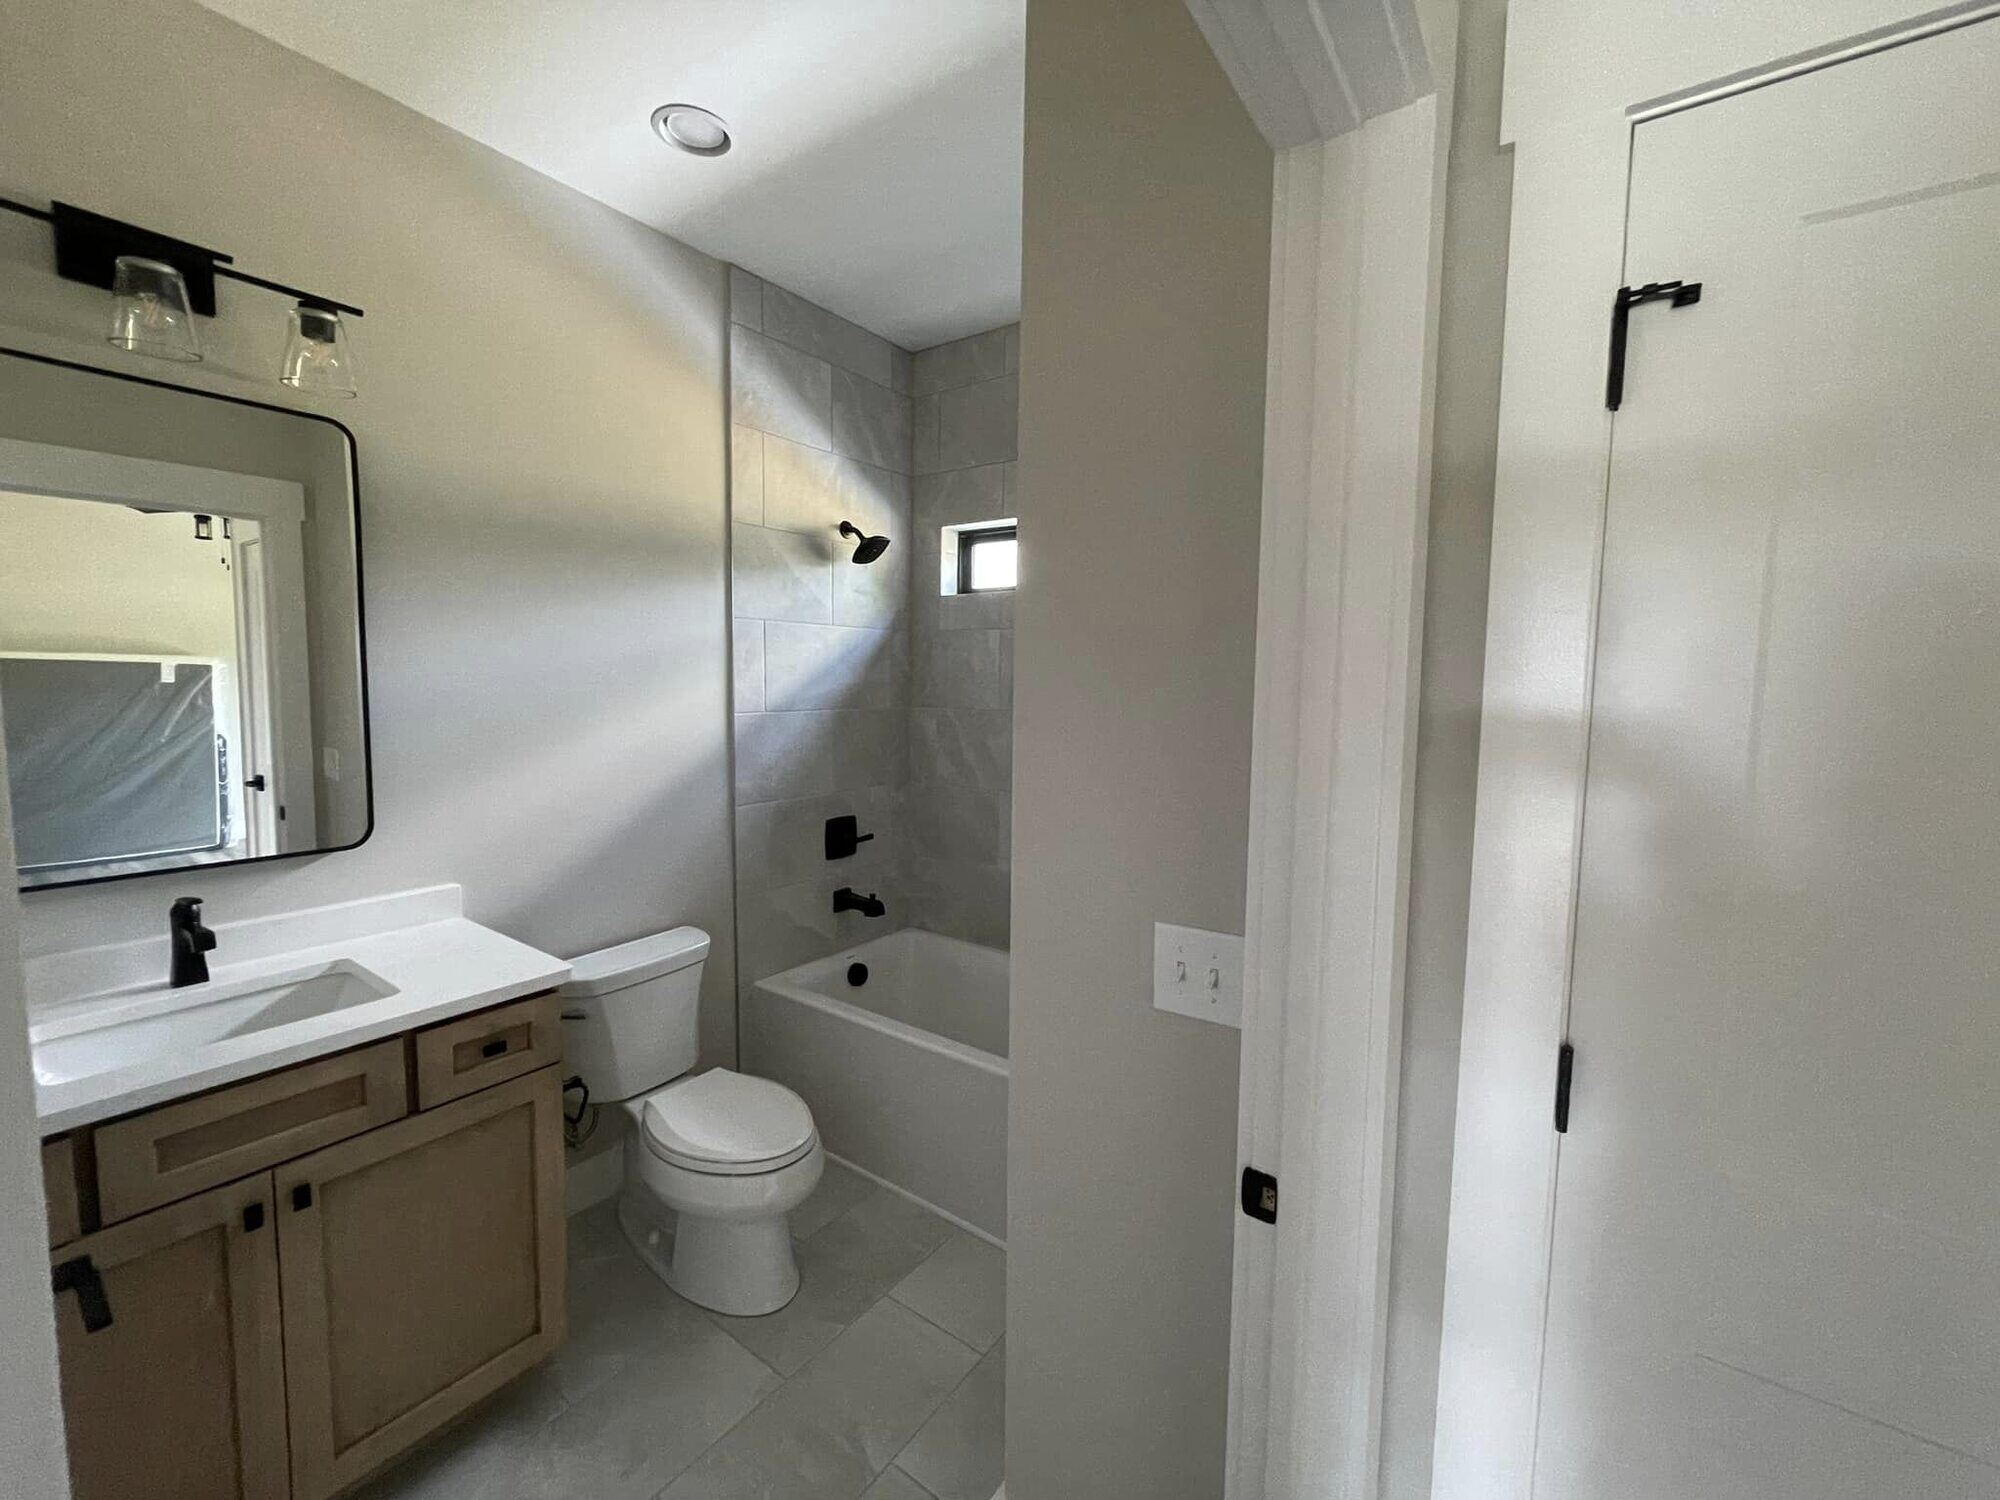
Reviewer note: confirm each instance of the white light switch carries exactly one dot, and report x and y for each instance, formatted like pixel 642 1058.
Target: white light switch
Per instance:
pixel 1199 974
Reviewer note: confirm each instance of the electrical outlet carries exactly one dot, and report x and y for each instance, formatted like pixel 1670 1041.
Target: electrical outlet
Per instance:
pixel 1198 973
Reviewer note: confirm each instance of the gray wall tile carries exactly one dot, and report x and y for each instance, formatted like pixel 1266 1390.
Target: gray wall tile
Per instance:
pixel 776 388
pixel 870 422
pixel 957 669
pixel 746 298
pixel 783 756
pixel 830 666
pixel 783 843
pixel 924 435
pixel 807 326
pixel 957 810
pixel 874 594
pixel 810 490
pixel 965 361
pixel 961 496
pixel 746 474
pixel 978 424
pixel 780 575
pixel 747 669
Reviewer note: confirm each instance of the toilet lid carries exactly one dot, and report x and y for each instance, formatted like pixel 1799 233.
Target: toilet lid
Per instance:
pixel 724 1120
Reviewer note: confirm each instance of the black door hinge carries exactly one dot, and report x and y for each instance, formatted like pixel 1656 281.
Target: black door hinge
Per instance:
pixel 1565 1067
pixel 1680 293
pixel 80 1276
pixel 1260 1195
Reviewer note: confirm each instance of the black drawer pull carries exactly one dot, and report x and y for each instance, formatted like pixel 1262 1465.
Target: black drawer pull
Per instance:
pixel 253 1218
pixel 495 1048
pixel 302 1197
pixel 80 1276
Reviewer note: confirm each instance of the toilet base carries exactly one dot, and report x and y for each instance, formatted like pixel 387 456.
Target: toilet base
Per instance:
pixel 737 1261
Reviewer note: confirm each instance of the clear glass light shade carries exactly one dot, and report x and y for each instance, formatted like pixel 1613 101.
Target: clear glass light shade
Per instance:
pixel 318 358
pixel 149 312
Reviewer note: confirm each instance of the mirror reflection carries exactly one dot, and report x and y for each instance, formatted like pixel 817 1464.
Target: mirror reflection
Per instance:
pixel 180 646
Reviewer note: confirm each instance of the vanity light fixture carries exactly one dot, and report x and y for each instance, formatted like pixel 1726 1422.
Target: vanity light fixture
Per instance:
pixel 317 357
pixel 690 128
pixel 149 310
pixel 160 284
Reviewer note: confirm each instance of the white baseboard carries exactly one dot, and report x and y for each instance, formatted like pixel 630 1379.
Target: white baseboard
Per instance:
pixel 594 1179
pixel 902 1192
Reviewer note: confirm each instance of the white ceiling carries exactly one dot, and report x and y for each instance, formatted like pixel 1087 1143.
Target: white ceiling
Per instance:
pixel 877 164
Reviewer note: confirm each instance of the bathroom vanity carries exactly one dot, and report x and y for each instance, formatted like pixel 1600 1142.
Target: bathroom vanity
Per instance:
pixel 305 1214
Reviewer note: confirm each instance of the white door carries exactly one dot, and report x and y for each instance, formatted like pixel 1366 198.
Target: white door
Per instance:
pixel 258 771
pixel 1776 1261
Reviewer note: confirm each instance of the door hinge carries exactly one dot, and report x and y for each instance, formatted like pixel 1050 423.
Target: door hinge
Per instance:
pixel 1565 1067
pixel 1680 293
pixel 1260 1195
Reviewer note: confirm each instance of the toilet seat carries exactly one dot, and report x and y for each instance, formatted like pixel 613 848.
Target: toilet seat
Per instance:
pixel 727 1124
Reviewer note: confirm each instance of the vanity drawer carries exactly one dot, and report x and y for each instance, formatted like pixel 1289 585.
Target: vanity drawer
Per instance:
pixel 62 1188
pixel 168 1153
pixel 474 1052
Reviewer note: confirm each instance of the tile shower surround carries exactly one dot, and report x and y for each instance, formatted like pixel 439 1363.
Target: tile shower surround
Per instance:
pixel 855 692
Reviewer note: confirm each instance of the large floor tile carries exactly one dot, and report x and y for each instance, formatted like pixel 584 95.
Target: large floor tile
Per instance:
pixel 481 1454
pixel 594 1237
pixel 838 1190
pixel 844 1269
pixel 827 1434
pixel 962 1288
pixel 618 1311
pixel 650 1420
pixel 896 1485
pixel 960 1452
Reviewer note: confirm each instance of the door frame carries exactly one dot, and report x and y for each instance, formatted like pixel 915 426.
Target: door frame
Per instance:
pixel 1579 79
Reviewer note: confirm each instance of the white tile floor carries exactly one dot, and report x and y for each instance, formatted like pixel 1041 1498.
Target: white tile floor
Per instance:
pixel 881 1381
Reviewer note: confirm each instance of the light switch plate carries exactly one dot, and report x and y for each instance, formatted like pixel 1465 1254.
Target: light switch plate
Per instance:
pixel 1199 974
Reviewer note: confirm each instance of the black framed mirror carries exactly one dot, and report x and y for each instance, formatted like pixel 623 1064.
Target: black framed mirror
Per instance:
pixel 183 665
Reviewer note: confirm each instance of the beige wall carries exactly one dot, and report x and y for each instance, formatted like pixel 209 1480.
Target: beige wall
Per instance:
pixel 1478 189
pixel 1145 262
pixel 541 437
pixel 83 577
pixel 31 1430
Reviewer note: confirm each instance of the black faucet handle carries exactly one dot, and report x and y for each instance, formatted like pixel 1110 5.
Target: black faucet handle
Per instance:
pixel 185 909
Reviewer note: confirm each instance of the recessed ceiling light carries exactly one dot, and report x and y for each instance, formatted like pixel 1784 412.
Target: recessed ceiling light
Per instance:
pixel 695 130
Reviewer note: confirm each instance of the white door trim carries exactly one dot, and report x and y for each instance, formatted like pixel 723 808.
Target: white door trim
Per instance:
pixel 1356 248
pixel 1572 128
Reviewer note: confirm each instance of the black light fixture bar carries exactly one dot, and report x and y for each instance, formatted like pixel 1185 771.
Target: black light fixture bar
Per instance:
pixel 88 246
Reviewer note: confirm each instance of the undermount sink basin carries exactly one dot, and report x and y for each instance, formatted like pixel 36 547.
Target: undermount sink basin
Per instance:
pixel 165 1022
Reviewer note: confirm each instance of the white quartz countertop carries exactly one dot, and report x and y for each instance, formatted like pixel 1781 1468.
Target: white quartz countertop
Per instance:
pixel 439 968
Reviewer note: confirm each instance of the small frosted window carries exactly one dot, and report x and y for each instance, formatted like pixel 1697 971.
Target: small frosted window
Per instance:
pixel 991 561
pixel 987 558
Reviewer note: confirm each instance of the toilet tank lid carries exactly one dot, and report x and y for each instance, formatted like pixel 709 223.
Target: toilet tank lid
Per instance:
pixel 643 958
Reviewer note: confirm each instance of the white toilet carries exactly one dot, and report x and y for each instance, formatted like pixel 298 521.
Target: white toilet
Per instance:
pixel 713 1163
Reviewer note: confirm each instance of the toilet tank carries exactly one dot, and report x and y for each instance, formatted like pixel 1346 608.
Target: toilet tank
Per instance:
pixel 632 1014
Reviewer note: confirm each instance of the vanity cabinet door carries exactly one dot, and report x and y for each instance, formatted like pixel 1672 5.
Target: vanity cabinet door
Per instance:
pixel 423 1268
pixel 180 1394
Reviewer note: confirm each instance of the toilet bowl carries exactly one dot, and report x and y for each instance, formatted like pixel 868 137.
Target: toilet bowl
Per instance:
pixel 714 1162
pixel 730 1157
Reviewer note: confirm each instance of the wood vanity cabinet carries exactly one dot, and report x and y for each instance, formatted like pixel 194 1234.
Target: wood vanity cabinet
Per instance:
pixel 423 1270
pixel 181 1393
pixel 290 1333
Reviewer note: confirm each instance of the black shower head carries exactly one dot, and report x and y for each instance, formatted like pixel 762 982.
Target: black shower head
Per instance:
pixel 867 548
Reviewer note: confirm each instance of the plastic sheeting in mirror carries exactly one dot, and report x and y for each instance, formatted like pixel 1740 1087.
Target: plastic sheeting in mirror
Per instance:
pixel 111 760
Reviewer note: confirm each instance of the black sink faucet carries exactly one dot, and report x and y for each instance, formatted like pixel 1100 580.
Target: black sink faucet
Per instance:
pixel 191 942
pixel 848 899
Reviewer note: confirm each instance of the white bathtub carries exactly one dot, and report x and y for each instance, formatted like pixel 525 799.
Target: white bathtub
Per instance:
pixel 906 1071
